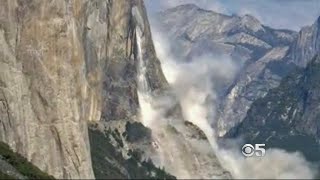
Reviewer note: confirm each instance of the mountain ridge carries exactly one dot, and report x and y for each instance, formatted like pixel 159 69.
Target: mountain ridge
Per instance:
pixel 254 48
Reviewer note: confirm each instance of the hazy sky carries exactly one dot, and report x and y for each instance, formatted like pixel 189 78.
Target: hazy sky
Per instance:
pixel 288 14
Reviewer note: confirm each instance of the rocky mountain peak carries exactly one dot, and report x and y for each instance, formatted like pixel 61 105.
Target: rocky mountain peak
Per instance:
pixel 250 17
pixel 251 22
pixel 307 44
pixel 198 23
pixel 188 6
pixel 184 8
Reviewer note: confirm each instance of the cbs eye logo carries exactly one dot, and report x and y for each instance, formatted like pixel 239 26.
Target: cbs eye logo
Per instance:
pixel 249 150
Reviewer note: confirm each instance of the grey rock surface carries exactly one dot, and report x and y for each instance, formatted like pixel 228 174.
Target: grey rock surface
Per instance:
pixel 254 82
pixel 307 45
pixel 111 62
pixel 43 89
pixel 64 64
pixel 157 86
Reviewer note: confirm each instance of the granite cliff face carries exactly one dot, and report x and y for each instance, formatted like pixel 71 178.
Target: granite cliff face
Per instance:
pixel 43 86
pixel 110 45
pixel 67 63
pixel 64 63
pixel 57 63
pixel 172 143
pixel 307 45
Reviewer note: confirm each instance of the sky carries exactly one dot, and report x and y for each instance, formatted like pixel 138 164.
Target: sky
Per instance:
pixel 281 14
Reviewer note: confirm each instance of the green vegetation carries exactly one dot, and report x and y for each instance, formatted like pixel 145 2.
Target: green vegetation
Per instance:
pixel 109 163
pixel 21 164
pixel 5 176
pixel 136 131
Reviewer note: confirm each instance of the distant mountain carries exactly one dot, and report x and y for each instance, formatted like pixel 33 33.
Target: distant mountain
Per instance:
pixel 288 116
pixel 264 55
pixel 264 74
pixel 201 31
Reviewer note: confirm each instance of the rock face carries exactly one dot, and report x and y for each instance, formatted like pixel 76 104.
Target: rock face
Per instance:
pixel 43 85
pixel 147 78
pixel 65 63
pixel 307 45
pixel 288 116
pixel 253 82
pixel 109 39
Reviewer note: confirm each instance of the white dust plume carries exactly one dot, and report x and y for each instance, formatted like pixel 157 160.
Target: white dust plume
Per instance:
pixel 194 84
